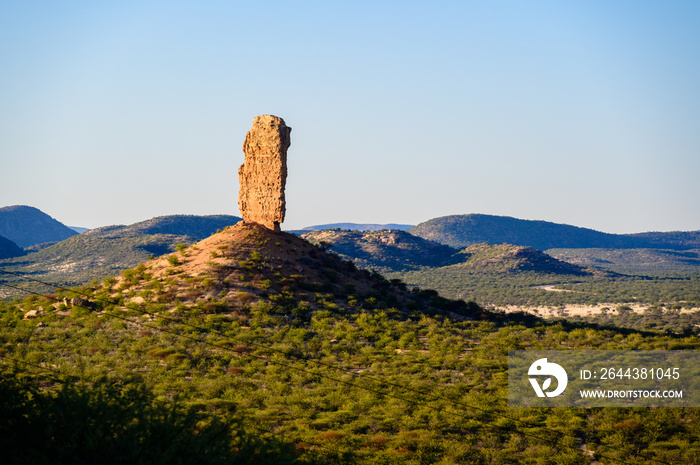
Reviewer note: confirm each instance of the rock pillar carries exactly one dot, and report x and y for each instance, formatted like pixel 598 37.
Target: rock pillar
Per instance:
pixel 263 173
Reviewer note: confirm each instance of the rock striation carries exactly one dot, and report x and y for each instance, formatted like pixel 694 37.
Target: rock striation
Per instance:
pixel 263 174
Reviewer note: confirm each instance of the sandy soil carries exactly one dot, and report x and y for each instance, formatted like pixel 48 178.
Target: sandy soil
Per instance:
pixel 579 310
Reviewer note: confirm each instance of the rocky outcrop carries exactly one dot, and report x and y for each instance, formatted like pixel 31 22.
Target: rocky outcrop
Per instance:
pixel 79 302
pixel 31 314
pixel 263 174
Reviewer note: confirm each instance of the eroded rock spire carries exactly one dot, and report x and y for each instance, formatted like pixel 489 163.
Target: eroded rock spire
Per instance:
pixel 263 174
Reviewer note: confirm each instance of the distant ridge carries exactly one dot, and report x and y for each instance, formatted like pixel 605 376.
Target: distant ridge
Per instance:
pixel 106 251
pixel 27 226
pixel 464 230
pixel 677 240
pixel 399 251
pixel 632 261
pixel 358 226
pixel 9 249
pixel 197 227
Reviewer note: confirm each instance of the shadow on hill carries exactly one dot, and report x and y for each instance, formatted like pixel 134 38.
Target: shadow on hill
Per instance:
pixel 118 422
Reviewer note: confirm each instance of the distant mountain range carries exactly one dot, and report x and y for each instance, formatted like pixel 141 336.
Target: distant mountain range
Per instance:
pixel 197 227
pixel 27 226
pixel 106 251
pixel 399 251
pixel 446 242
pixel 464 230
pixel 358 226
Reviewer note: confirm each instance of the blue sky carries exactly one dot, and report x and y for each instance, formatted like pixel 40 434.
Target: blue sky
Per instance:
pixel 585 113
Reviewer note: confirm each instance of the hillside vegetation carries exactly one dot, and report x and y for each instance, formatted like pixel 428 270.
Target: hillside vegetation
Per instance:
pixel 507 275
pixel 335 364
pixel 532 289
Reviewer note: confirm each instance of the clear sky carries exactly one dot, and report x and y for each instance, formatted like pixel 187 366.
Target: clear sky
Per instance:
pixel 586 113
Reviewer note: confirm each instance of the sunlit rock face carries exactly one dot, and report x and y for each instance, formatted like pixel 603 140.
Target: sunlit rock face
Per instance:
pixel 263 173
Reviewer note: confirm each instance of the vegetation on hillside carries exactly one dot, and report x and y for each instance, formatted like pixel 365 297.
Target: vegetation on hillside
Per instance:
pixel 538 289
pixel 337 364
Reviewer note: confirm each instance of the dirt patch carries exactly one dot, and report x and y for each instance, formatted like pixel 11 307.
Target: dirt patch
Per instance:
pixel 551 288
pixel 580 310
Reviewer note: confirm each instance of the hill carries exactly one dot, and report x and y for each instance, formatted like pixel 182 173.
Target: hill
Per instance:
pixel 195 226
pixel 358 226
pixel 464 230
pixel 384 250
pixel 498 275
pixel 335 364
pixel 104 252
pixel 393 250
pixel 506 258
pixel 27 226
pixel 250 259
pixel 9 249
pixel 677 240
pixel 507 275
pixel 633 261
